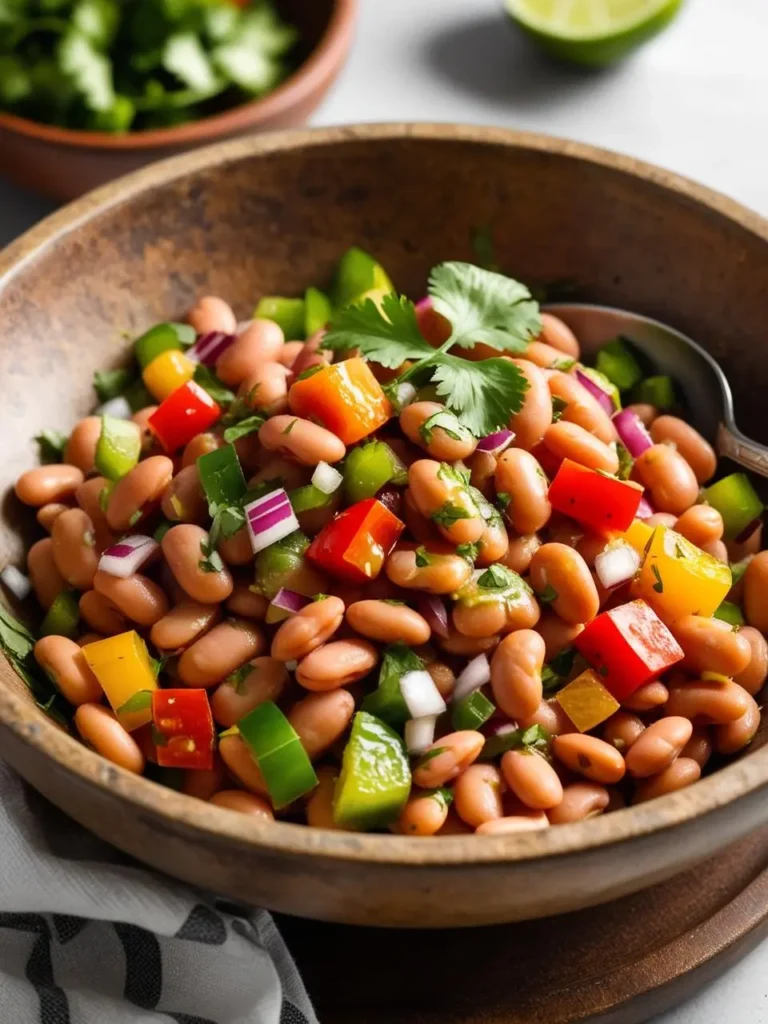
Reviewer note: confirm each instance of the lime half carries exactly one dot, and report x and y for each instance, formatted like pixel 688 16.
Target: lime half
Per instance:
pixel 592 32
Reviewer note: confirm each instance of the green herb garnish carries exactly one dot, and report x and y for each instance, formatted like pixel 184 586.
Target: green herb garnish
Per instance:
pixel 422 557
pixel 109 384
pixel 559 405
pixel 51 445
pixel 447 422
pixel 209 382
pixel 658 586
pixel 237 679
pixel 498 577
pixel 448 514
pixel 548 594
pixel 469 551
pixel 243 428
pixel 211 560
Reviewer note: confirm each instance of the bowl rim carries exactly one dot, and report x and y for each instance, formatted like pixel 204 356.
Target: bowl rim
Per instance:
pixel 322 62
pixel 203 821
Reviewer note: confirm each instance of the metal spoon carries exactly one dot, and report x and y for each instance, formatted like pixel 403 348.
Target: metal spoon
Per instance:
pixel 702 382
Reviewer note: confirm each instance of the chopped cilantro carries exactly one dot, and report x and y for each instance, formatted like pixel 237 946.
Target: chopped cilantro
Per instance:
pixel 498 577
pixel 447 422
pixel 211 560
pixel 626 462
pixel 243 428
pixel 209 382
pixel 51 445
pixel 422 557
pixel 290 426
pixel 548 594
pixel 469 551
pixel 658 586
pixel 237 679
pixel 559 405
pixel 448 514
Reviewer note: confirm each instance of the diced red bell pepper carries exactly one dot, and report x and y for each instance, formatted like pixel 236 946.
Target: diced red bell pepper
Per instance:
pixel 355 543
pixel 345 398
pixel 182 415
pixel 628 647
pixel 594 499
pixel 183 728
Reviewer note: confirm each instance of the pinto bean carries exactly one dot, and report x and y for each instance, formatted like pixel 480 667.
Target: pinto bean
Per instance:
pixel 138 598
pixel 183 552
pixel 700 524
pixel 89 497
pixel 305 631
pixel 388 623
pixel 201 444
pixel 184 500
pixel 590 756
pixel 551 716
pixel 532 779
pixel 570 441
pixel 424 813
pixel 699 747
pixel 336 664
pixel 101 614
pixel 560 576
pixel 622 730
pixel 210 313
pixel 447 758
pixel 520 552
pixel 41 486
pixel 319 808
pixel 247 605
pixel 203 784
pixel 47 582
pixel 467 646
pixel 698 453
pixel 733 737
pixel 305 441
pixel 440 496
pixel 679 774
pixel 184 624
pixel 482 467
pixel 444 573
pixel 64 663
pixel 647 697
pixel 289 353
pixel 80 449
pixel 136 493
pixel 237 549
pixel 48 514
pixel 581 407
pixel 581 800
pixel 658 746
pixel 559 335
pixel 547 357
pixel 753 677
pixel 243 803
pixel 516 673
pixel 240 763
pixel 74 548
pixel 671 481
pixel 443 678
pixel 236 697
pixel 320 719
pixel 520 476
pixel 513 824
pixel 439 442
pixel 756 592
pixel 101 730
pixel 265 390
pixel 708 702
pixel 535 415
pixel 711 645
pixel 219 652
pixel 477 794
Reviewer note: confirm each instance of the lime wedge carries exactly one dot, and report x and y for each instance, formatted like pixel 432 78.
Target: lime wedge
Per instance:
pixel 592 32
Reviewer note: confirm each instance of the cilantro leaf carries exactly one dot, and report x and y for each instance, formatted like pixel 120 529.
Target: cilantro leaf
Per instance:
pixel 237 679
pixel 209 382
pixel 559 405
pixel 447 422
pixel 626 462
pixel 88 70
pixel 51 444
pixel 250 57
pixel 469 551
pixel 498 577
pixel 658 586
pixel 548 594
pixel 484 394
pixel 184 57
pixel 387 336
pixel 211 560
pixel 483 306
pixel 422 557
pixel 448 514
pixel 247 426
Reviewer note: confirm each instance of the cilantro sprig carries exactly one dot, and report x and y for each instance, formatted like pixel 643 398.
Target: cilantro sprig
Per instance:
pixel 482 307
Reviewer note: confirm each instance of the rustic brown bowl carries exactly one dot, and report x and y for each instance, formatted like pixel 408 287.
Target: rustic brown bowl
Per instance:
pixel 272 215
pixel 63 164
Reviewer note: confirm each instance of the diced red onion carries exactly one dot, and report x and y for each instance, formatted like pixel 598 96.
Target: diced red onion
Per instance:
pixel 270 518
pixel 420 694
pixel 645 509
pixel 496 443
pixel 617 564
pixel 434 611
pixel 128 555
pixel 603 398
pixel 210 346
pixel 476 674
pixel 632 432
pixel 117 407
pixel 289 600
pixel 16 581
pixel 391 498
pixel 326 478
pixel 748 530
pixel 420 734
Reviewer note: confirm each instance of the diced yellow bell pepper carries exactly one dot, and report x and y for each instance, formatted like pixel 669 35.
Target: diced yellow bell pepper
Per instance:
pixel 167 372
pixel 638 535
pixel 121 664
pixel 677 578
pixel 586 701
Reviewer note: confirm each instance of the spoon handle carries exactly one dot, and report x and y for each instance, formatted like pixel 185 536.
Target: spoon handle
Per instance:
pixel 749 454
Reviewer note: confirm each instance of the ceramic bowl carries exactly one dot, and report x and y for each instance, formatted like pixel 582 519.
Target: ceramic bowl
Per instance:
pixel 271 215
pixel 62 163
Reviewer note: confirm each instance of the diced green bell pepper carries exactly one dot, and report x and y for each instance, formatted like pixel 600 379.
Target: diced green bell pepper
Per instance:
pixel 617 362
pixel 472 711
pixel 736 500
pixel 387 701
pixel 658 391
pixel 317 311
pixel 222 476
pixel 357 273
pixel 160 338
pixel 277 749
pixel 276 564
pixel 375 778
pixel 730 613
pixel 308 497
pixel 118 448
pixel 369 468
pixel 288 314
pixel 62 617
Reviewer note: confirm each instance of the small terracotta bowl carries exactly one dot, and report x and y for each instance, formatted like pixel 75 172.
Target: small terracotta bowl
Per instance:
pixel 63 164
pixel 270 216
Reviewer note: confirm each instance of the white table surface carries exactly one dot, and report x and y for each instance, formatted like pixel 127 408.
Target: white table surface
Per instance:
pixel 695 100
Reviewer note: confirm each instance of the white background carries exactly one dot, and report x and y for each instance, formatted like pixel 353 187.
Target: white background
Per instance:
pixel 695 100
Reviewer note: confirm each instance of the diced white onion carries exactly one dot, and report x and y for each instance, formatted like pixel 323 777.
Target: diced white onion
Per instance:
pixel 16 581
pixel 617 564
pixel 420 734
pixel 243 325
pixel 405 394
pixel 476 674
pixel 420 694
pixel 128 555
pixel 326 478
pixel 117 407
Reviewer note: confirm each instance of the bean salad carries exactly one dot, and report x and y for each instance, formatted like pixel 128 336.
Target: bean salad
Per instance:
pixel 368 564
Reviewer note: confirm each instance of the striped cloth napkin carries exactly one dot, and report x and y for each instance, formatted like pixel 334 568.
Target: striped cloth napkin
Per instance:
pixel 88 937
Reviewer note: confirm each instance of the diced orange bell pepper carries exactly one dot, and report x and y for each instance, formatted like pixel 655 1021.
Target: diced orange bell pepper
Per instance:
pixel 122 666
pixel 677 578
pixel 355 543
pixel 345 398
pixel 594 499
pixel 628 646
pixel 167 372
pixel 586 701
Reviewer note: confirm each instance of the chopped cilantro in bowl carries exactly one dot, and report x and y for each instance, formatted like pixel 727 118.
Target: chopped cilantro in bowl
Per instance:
pixel 130 66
